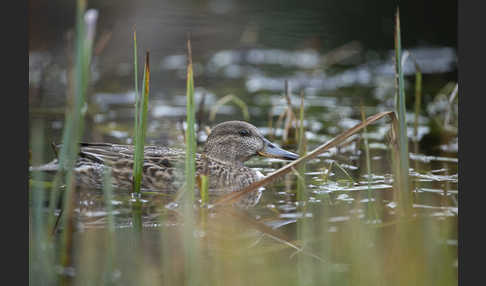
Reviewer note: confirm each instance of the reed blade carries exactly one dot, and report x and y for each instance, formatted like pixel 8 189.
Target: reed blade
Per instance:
pixel 141 129
pixel 418 100
pixel 110 233
pixel 40 252
pixel 190 244
pixel 302 152
pixel 135 74
pixel 204 189
pixel 190 161
pixel 139 148
pixel 371 198
pixel 401 175
pixel 85 32
pixel 305 269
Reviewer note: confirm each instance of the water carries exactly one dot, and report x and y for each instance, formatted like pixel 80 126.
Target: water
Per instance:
pixel 339 61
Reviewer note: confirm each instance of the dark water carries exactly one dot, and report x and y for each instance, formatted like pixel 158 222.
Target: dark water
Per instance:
pixel 338 53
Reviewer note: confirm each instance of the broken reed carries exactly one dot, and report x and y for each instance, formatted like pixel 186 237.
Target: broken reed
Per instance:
pixel 290 119
pixel 360 245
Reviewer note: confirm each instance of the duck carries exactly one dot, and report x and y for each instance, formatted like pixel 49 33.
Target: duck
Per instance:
pixel 228 146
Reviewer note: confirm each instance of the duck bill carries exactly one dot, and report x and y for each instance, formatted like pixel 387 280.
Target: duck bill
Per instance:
pixel 273 151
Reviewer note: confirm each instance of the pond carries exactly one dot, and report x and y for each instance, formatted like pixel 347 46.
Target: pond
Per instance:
pixel 341 227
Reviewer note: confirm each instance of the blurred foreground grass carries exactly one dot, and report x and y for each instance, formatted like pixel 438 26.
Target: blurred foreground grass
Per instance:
pixel 323 243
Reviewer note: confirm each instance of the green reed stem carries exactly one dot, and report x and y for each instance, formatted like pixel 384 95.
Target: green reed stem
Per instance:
pixel 302 151
pixel 418 100
pixel 85 32
pixel 53 198
pixel 305 269
pixel 110 238
pixel 140 131
pixel 190 255
pixel 37 189
pixel 400 108
pixel 190 161
pixel 137 99
pixel 237 195
pixel 204 189
pixel 40 251
pixel 371 205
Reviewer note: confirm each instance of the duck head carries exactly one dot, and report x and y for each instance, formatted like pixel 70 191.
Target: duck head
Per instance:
pixel 237 141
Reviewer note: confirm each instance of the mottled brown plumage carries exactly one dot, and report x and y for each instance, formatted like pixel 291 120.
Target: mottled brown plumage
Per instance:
pixel 228 146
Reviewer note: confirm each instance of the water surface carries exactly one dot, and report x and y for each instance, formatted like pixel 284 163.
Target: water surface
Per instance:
pixel 340 56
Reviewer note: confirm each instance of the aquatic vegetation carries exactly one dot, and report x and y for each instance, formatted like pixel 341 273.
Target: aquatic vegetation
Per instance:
pixel 226 99
pixel 141 119
pixel 401 159
pixel 85 32
pixel 332 217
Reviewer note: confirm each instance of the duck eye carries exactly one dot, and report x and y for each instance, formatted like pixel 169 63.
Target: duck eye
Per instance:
pixel 244 132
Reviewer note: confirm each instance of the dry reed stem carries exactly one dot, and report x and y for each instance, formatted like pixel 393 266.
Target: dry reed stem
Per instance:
pixel 452 96
pixel 235 196
pixel 290 118
pixel 229 98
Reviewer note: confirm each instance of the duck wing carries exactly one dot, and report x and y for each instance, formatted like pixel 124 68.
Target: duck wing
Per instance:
pixel 110 154
pixel 161 167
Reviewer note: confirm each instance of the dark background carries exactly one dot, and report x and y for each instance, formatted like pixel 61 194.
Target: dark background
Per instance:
pixel 323 25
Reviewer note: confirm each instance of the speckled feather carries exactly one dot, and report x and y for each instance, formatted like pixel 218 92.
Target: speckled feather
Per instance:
pixel 162 168
pixel 228 146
